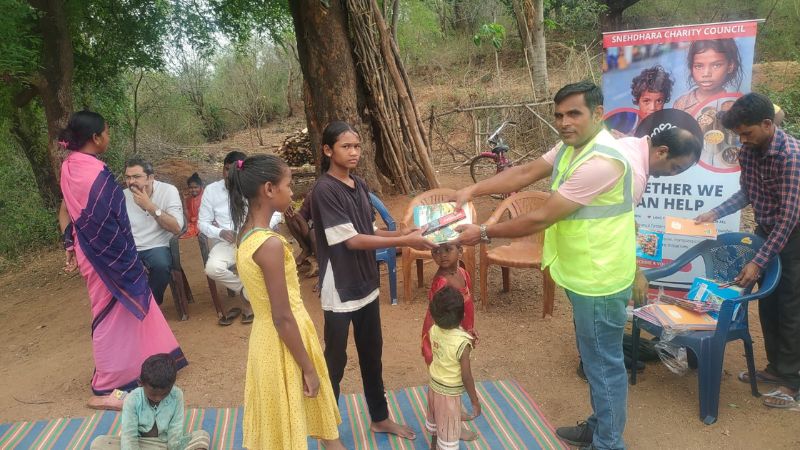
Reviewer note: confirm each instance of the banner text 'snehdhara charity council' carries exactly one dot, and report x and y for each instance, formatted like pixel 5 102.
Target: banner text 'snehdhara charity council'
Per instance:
pixel 681 33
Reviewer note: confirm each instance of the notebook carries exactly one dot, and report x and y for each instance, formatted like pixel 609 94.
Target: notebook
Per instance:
pixel 687 227
pixel 649 245
pixel 439 221
pixel 673 316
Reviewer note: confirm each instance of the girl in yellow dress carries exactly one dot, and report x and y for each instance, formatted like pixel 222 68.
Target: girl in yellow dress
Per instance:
pixel 288 394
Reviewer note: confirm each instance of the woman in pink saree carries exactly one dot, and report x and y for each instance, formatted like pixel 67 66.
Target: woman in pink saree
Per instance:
pixel 127 325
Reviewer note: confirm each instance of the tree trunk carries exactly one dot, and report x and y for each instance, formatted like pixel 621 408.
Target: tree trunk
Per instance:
pixel 403 148
pixel 136 114
pixel 332 87
pixel 289 91
pixel 27 132
pixel 539 61
pixel 458 19
pixel 530 22
pixel 395 13
pixel 54 86
pixel 612 19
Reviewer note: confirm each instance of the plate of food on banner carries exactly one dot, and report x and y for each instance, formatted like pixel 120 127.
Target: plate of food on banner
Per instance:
pixel 720 145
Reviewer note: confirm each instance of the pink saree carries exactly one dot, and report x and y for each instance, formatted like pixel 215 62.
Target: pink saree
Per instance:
pixel 127 326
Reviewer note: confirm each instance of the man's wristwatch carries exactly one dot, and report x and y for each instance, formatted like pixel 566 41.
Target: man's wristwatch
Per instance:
pixel 484 234
pixel 157 213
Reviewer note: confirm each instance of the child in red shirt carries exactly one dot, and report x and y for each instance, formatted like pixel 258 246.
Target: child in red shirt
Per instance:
pixel 450 273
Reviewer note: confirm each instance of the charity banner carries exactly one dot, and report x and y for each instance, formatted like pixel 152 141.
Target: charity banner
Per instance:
pixel 684 76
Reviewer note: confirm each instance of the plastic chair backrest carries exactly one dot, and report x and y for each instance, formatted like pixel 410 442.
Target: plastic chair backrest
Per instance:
pixel 383 212
pixel 517 205
pixel 724 258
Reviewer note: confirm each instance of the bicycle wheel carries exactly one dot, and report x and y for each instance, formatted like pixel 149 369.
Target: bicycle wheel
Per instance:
pixel 482 167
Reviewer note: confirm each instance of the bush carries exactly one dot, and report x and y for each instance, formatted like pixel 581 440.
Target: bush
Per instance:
pixel 574 22
pixel 25 223
pixel 249 85
pixel 168 120
pixel 789 100
pixel 419 35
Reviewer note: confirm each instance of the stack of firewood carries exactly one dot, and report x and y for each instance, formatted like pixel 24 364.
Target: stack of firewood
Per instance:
pixel 296 149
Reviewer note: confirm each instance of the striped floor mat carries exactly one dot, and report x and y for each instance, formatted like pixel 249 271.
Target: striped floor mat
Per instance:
pixel 510 420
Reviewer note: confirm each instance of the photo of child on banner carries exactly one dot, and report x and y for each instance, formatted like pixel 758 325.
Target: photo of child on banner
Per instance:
pixel 686 77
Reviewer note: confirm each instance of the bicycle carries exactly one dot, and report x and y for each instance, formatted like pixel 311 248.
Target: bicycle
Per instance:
pixel 488 164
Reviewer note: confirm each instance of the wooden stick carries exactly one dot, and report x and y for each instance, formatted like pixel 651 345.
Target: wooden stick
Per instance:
pixel 493 106
pixel 542 119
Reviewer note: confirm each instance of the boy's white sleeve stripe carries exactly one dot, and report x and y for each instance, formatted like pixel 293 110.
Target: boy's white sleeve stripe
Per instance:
pixel 340 233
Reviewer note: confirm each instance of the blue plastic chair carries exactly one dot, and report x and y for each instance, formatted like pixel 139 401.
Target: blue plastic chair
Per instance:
pixel 724 259
pixel 387 255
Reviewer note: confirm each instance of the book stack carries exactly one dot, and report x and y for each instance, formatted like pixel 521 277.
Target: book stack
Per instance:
pixel 439 221
pixel 691 305
pixel 713 293
pixel 675 317
pixel 698 311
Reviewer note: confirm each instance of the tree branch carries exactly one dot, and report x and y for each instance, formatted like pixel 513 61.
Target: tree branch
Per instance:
pixel 25 96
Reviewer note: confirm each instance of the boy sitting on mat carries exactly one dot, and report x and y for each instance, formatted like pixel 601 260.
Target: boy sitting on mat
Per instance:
pixel 450 372
pixel 152 415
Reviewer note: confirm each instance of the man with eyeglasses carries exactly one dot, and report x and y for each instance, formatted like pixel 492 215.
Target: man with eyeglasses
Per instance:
pixel 156 215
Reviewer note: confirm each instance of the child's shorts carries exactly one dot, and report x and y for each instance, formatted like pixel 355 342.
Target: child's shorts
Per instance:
pixel 444 419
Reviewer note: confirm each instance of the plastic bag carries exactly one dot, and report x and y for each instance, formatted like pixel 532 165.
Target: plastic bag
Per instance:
pixel 672 355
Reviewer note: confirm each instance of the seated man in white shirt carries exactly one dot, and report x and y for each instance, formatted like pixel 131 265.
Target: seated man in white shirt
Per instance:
pixel 214 221
pixel 156 215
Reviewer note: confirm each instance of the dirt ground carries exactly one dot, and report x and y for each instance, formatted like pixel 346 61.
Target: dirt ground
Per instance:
pixel 46 362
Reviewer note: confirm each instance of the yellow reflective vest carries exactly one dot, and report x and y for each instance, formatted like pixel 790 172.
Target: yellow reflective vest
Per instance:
pixel 592 252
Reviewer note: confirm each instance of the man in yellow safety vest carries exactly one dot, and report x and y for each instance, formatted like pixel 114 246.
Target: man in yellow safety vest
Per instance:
pixel 589 247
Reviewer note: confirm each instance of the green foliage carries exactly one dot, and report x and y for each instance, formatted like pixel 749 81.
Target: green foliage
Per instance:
pixel 111 101
pixel 419 35
pixel 19 45
pixel 25 223
pixel 240 18
pixel 778 38
pixel 166 116
pixel 788 99
pixel 493 33
pixel 574 22
pixel 108 38
pixel 470 14
pixel 251 84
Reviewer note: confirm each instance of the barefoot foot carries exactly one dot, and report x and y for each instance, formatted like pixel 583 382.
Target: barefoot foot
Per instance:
pixel 391 427
pixel 111 402
pixel 467 434
pixel 313 271
pixel 332 444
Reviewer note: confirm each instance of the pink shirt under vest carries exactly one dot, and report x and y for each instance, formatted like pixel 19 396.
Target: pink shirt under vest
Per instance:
pixel 637 151
pixel 599 174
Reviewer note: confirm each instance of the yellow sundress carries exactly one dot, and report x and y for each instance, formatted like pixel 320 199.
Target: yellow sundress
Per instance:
pixel 276 413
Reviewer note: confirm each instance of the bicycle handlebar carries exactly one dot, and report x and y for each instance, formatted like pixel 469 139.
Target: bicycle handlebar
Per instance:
pixel 493 136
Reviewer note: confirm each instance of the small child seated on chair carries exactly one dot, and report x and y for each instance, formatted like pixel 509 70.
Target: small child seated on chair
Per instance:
pixel 153 415
pixel 450 372
pixel 448 256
